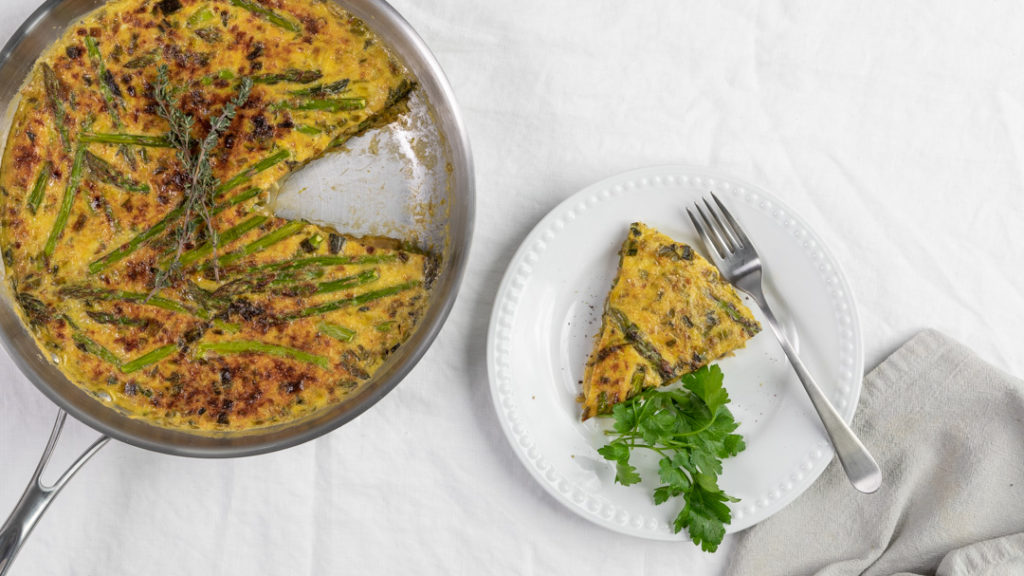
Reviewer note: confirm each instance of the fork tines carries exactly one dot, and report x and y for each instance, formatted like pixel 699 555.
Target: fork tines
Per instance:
pixel 725 237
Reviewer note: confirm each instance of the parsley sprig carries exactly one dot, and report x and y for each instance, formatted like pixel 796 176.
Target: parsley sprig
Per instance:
pixel 692 430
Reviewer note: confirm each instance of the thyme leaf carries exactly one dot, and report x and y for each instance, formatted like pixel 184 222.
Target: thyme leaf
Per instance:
pixel 194 156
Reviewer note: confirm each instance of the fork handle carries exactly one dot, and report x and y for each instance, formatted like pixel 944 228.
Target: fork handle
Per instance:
pixel 860 466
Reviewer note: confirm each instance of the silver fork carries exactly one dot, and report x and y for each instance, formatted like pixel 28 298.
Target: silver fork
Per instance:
pixel 737 260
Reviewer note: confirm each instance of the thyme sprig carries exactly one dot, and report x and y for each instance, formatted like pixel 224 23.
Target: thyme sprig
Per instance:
pixel 194 156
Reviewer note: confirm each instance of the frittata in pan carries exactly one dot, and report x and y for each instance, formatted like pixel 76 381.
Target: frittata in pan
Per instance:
pixel 669 312
pixel 135 231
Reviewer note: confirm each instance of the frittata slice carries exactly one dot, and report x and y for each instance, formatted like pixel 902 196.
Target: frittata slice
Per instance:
pixel 669 312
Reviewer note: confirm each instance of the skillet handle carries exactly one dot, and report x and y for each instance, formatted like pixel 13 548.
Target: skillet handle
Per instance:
pixel 38 496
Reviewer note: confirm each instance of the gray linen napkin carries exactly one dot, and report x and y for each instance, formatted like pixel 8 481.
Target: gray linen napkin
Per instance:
pixel 948 431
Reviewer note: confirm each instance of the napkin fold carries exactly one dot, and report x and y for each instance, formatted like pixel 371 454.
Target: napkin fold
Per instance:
pixel 947 430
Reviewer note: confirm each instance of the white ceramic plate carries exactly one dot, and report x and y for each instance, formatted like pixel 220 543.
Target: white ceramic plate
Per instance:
pixel 548 309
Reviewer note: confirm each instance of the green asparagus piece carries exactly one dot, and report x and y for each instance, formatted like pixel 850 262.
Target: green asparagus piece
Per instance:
pixel 290 75
pixel 224 238
pixel 328 104
pixel 108 85
pixel 258 281
pixel 141 61
pixel 36 310
pixel 340 139
pixel 127 248
pixel 357 300
pixel 108 318
pixel 234 200
pixel 636 381
pixel 364 277
pixel 299 275
pixel 229 327
pixel 398 92
pixel 85 292
pixel 335 331
pixel 323 261
pixel 271 16
pixel 104 172
pixel 65 206
pixel 151 357
pixel 203 14
pixel 92 347
pixel 132 139
pixel 39 188
pixel 308 130
pixel 263 242
pixel 243 346
pixel 247 174
pixel 322 89
pixel 639 341
pixel 54 95
pixel 749 326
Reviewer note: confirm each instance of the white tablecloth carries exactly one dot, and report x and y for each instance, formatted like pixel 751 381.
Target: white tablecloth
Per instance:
pixel 896 129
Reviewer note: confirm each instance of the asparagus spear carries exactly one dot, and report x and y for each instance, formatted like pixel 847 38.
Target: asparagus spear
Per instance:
pixel 54 95
pixel 328 104
pixel 271 16
pixel 36 310
pixel 639 341
pixel 203 14
pixel 398 92
pixel 141 61
pixel 89 345
pixel 151 357
pixel 229 327
pixel 335 331
pixel 234 200
pixel 336 285
pixel 251 171
pixel 132 139
pixel 258 281
pixel 225 238
pixel 243 346
pixel 308 130
pixel 130 246
pixel 242 196
pixel 323 261
pixel 636 382
pixel 127 248
pixel 364 277
pixel 108 318
pixel 357 300
pixel 65 206
pixel 39 188
pixel 751 327
pixel 298 275
pixel 322 89
pixel 107 174
pixel 85 292
pixel 290 75
pixel 263 242
pixel 108 85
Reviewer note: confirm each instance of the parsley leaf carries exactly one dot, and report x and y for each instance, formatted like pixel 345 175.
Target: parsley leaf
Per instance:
pixel 693 431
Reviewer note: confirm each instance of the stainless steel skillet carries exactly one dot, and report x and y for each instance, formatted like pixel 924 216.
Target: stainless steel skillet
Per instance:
pixel 428 194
